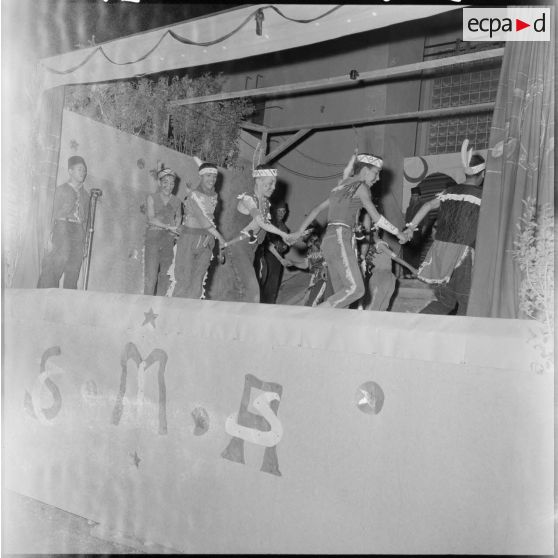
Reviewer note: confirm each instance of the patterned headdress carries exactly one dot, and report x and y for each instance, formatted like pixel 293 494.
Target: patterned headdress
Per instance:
pixel 165 172
pixel 256 173
pixel 206 168
pixel 368 159
pixel 259 169
pixel 466 160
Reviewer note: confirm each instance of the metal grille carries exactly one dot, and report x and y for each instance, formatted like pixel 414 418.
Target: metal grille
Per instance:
pixel 463 85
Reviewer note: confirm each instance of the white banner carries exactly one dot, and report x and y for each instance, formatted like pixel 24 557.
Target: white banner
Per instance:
pixel 212 427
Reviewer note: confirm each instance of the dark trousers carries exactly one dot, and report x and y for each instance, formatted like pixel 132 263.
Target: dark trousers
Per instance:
pixel 193 254
pixel 241 258
pixel 158 258
pixel 454 293
pixel 68 240
pixel 272 281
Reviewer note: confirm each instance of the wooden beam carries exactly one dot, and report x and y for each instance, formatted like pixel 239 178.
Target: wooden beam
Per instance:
pixel 344 81
pixel 264 142
pixel 415 115
pixel 253 127
pixel 285 145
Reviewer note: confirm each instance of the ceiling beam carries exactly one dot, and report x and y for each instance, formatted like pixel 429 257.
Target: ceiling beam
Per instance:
pixel 415 115
pixel 253 127
pixel 344 81
pixel 283 146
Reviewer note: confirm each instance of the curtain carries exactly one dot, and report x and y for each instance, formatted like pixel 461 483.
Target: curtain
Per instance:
pixel 35 216
pixel 520 165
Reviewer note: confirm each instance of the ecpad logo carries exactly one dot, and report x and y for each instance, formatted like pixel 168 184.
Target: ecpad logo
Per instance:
pixel 507 24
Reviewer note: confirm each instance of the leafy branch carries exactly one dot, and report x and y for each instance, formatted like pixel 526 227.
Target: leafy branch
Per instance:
pixel 140 107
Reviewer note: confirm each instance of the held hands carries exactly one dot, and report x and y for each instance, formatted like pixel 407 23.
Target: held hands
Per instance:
pixel 291 238
pixel 407 234
pixel 403 237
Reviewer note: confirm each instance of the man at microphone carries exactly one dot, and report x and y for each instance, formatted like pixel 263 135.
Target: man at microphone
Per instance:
pixel 67 241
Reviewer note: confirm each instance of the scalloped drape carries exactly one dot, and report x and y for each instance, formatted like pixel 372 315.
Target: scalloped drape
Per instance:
pixel 36 217
pixel 520 165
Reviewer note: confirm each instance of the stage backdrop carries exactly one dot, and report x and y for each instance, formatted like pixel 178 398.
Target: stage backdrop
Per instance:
pixel 205 426
pixel 119 164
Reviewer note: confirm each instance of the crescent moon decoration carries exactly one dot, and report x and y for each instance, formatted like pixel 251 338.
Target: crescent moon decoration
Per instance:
pixel 422 175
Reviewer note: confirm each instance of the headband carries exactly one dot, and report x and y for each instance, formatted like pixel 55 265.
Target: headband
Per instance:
pixel 370 160
pixel 208 168
pixel 165 172
pixel 466 160
pixel 257 173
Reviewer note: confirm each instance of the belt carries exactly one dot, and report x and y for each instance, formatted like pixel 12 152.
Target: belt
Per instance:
pixel 161 229
pixel 335 224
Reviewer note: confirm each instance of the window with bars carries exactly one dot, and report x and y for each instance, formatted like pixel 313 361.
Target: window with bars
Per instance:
pixel 468 84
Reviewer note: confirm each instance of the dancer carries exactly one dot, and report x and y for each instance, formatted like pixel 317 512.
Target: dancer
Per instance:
pixel 449 261
pixel 381 283
pixel 272 260
pixel 194 249
pixel 163 217
pixel 319 286
pixel 69 216
pixel 344 202
pixel 255 221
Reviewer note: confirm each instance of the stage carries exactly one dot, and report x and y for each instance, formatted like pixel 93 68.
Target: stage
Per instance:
pixel 213 427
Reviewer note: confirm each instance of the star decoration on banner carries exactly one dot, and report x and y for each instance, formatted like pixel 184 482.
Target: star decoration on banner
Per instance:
pixel 150 318
pixel 370 398
pixel 367 398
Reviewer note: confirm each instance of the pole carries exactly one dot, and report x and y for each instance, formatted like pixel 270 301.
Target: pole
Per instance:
pixel 95 194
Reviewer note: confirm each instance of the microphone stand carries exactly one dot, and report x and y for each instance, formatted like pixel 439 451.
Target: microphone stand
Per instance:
pixel 95 194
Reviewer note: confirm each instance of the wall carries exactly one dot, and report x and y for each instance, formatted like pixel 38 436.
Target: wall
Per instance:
pixel 357 432
pixel 324 153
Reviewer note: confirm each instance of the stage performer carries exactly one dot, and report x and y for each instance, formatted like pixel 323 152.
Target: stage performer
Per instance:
pixel 344 202
pixel 255 222
pixel 319 286
pixel 163 218
pixel 449 261
pixel 194 249
pixel 381 283
pixel 69 218
pixel 273 261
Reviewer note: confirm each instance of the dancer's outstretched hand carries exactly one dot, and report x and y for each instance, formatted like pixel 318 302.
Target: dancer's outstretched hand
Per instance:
pixel 403 237
pixel 408 234
pixel 291 238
